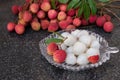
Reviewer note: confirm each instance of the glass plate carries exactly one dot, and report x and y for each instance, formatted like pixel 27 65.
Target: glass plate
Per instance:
pixel 105 51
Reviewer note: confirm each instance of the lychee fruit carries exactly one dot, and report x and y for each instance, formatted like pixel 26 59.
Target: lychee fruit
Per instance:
pixel 34 7
pixel 52 14
pixel 41 14
pixel 71 12
pixel 84 22
pixel 92 18
pixel 93 59
pixel 108 26
pixel 70 27
pixel 54 21
pixel 20 8
pixel 27 16
pixel 14 9
pixel 70 41
pixel 53 27
pixel 45 6
pixel 69 19
pixel 108 17
pixel 63 24
pixel 61 15
pixel 71 59
pixel 11 26
pixel 21 21
pixel 63 7
pixel 59 56
pixel 19 29
pixel 51 48
pixel 77 22
pixel 100 21
pixel 35 25
pixel 82 59
pixel 27 1
pixel 44 24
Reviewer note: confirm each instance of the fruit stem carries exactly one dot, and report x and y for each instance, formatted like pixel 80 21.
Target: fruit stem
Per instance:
pixel 59 35
pixel 113 6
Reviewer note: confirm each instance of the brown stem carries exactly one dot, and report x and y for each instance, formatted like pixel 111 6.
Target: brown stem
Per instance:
pixel 113 6
pixel 112 13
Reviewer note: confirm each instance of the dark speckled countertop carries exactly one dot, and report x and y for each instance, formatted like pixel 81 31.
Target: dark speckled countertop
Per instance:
pixel 21 59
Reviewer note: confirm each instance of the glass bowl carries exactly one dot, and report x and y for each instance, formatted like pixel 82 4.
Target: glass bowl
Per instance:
pixel 105 52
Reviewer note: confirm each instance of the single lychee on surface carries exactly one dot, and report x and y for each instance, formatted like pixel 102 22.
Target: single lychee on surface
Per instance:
pixel 59 56
pixel 11 26
pixel 34 7
pixel 45 6
pixel 51 48
pixel 61 15
pixel 108 26
pixel 52 14
pixel 15 9
pixel 27 16
pixel 77 22
pixel 41 14
pixel 35 25
pixel 44 24
pixel 100 21
pixel 19 29
pixel 53 27
pixel 92 19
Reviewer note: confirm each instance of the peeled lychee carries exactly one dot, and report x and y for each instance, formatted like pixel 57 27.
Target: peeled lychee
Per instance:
pixel 27 16
pixel 71 12
pixel 70 27
pixel 82 32
pixel 63 24
pixel 35 25
pixel 75 33
pixel 51 48
pixel 82 59
pixel 108 26
pixel 61 15
pixel 19 29
pixel 53 27
pixel 84 22
pixel 92 18
pixel 100 21
pixel 77 22
pixel 44 24
pixel 11 26
pixel 41 14
pixel 95 44
pixel 59 56
pixel 52 14
pixel 63 46
pixel 69 19
pixel 63 7
pixel 34 7
pixel 15 9
pixel 69 50
pixel 45 6
pixel 65 34
pixel 71 59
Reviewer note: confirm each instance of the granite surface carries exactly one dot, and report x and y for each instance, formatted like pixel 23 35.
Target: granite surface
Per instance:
pixel 21 59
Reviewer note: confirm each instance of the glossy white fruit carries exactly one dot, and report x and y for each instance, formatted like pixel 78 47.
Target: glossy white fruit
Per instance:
pixel 75 33
pixel 69 50
pixel 92 52
pixel 70 40
pixel 93 37
pixel 79 48
pixel 65 34
pixel 86 39
pixel 83 32
pixel 71 59
pixel 95 44
pixel 82 59
pixel 63 46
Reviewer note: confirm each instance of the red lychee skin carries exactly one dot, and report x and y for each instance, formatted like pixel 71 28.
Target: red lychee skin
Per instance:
pixel 92 19
pixel 34 7
pixel 41 14
pixel 52 14
pixel 63 7
pixel 19 29
pixel 71 12
pixel 27 1
pixel 15 9
pixel 45 6
pixel 61 15
pixel 27 16
pixel 93 59
pixel 63 24
pixel 70 27
pixel 59 56
pixel 11 26
pixel 53 27
pixel 46 0
pixel 108 18
pixel 35 25
pixel 44 24
pixel 20 8
pixel 77 22
pixel 51 48
pixel 84 22
pixel 108 26
pixel 100 21
pixel 35 19
pixel 21 21
pixel 69 19
pixel 54 21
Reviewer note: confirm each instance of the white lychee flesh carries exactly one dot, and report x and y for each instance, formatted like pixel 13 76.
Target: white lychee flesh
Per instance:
pixel 95 44
pixel 75 33
pixel 92 52
pixel 71 59
pixel 82 59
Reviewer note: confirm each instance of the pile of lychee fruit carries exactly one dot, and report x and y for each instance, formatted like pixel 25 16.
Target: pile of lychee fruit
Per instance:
pixel 39 15
pixel 78 48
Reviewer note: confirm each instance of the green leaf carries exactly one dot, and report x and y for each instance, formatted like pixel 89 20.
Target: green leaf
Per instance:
pixel 92 6
pixel 72 4
pixel 53 4
pixel 86 9
pixel 63 1
pixel 77 5
pixel 104 0
pixel 80 11
pixel 56 40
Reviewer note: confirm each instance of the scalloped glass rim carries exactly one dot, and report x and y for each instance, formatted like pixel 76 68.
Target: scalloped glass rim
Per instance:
pixel 105 51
